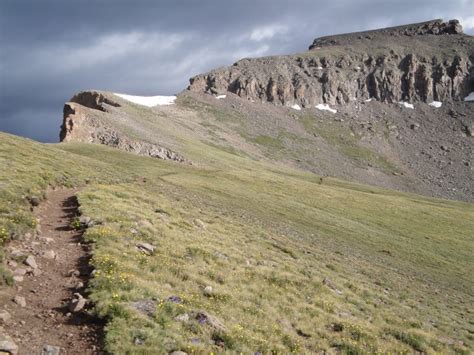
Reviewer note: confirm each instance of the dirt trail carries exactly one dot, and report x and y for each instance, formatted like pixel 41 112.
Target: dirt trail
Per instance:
pixel 46 318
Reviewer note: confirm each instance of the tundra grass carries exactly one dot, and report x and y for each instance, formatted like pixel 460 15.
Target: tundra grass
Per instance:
pixel 295 265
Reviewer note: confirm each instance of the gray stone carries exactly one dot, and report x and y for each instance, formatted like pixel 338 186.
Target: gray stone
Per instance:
pixel 198 223
pixel 30 261
pixel 179 353
pixel 207 319
pixel 19 272
pixel 208 291
pixel 20 300
pixel 7 345
pixel 51 350
pixel 182 318
pixel 49 254
pixel 146 307
pixel 17 278
pixel 5 316
pixel 146 248
pixel 34 201
pixel 77 303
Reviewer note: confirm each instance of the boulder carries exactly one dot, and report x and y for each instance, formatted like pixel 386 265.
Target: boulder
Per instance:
pixel 31 262
pixel 146 248
pixel 50 350
pixel 77 303
pixel 4 316
pixel 7 345
pixel 20 300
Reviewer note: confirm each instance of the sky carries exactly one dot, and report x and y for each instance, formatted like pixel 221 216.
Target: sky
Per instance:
pixel 52 49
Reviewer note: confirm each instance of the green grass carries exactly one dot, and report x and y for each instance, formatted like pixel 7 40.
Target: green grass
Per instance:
pixel 396 266
pixel 347 142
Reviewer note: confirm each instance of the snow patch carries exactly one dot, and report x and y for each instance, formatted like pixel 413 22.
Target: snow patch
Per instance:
pixel 149 101
pixel 296 107
pixel 407 104
pixel 436 104
pixel 325 107
pixel 469 97
pixel 219 97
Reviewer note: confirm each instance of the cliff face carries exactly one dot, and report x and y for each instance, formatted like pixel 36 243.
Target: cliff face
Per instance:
pixel 82 122
pixel 425 62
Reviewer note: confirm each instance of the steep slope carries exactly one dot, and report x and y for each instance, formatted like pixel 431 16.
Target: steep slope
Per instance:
pixel 251 257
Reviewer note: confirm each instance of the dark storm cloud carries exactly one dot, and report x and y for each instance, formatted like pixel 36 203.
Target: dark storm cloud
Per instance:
pixel 51 49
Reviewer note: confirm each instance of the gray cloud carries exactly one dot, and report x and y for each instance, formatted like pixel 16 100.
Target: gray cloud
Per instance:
pixel 51 49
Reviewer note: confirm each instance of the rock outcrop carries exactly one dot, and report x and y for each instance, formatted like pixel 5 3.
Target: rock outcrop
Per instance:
pixel 431 61
pixel 82 123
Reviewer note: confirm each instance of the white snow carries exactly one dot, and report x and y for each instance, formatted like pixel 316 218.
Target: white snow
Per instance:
pixel 469 97
pixel 436 104
pixel 407 104
pixel 149 101
pixel 325 107
pixel 218 97
pixel 296 107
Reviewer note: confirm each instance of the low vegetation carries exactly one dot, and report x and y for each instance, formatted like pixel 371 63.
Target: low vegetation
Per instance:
pixel 251 257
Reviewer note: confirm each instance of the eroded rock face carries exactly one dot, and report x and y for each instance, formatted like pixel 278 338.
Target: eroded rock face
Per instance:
pixel 357 66
pixel 82 124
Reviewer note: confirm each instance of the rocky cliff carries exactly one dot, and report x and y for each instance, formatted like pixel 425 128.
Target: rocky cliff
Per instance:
pixel 430 61
pixel 83 121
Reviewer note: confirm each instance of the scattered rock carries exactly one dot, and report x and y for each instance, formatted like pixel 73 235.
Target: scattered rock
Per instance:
pixel 182 318
pixel 198 223
pixel 49 254
pixel 5 316
pixel 51 350
pixel 138 341
pixel 17 278
pixel 329 284
pixel 179 353
pixel 77 303
pixel 84 220
pixel 19 272
pixel 7 345
pixel 12 264
pixel 208 291
pixel 174 299
pixel 31 262
pixel 37 272
pixel 213 322
pixel 34 201
pixel 74 272
pixel 146 307
pixel 20 300
pixel 146 248
pixel 414 126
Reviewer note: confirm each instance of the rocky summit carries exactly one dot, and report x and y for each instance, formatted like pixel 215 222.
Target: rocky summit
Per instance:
pixel 430 61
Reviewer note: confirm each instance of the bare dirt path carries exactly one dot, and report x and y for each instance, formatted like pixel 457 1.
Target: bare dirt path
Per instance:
pixel 46 319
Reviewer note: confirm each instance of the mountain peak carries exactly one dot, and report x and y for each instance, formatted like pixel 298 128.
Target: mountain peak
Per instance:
pixel 433 27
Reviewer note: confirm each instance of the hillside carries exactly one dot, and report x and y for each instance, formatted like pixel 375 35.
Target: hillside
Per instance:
pixel 384 107
pixel 229 222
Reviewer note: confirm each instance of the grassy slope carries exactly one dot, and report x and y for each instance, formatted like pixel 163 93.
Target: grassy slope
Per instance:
pixel 264 238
